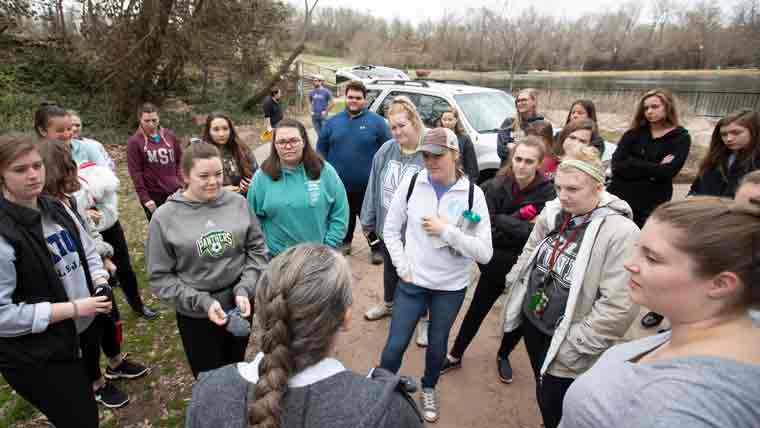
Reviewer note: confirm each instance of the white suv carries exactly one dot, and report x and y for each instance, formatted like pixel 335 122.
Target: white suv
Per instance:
pixel 482 110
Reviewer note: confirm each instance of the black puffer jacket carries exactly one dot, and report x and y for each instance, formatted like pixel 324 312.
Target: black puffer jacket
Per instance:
pixel 509 232
pixel 718 181
pixel 638 177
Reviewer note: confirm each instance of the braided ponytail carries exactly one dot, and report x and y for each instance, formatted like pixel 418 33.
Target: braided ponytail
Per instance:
pixel 301 302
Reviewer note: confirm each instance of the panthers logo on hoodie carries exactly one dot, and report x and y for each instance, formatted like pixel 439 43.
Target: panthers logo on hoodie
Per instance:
pixel 214 243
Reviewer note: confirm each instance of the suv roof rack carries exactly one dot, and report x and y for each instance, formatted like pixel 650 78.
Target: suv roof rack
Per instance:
pixel 447 81
pixel 418 83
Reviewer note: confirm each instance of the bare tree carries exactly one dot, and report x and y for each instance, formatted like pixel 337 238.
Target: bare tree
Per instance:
pixel 519 37
pixel 259 95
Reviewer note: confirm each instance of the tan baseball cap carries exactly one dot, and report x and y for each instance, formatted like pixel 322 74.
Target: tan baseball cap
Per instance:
pixel 318 77
pixel 438 139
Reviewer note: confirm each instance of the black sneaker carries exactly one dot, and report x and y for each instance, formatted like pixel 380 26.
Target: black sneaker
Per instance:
pixel 450 365
pixel 110 396
pixel 126 370
pixel 651 319
pixel 149 314
pixel 505 370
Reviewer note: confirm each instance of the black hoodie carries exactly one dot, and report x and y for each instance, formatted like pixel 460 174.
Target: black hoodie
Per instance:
pixel 724 181
pixel 638 177
pixel 509 232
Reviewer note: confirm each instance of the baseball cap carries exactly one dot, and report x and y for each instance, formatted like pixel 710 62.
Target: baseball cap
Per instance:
pixel 438 139
pixel 318 77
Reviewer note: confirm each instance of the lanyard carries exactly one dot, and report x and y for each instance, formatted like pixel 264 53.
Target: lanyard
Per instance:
pixel 573 235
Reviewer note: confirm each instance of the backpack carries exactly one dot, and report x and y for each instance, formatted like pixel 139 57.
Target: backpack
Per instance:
pixel 470 192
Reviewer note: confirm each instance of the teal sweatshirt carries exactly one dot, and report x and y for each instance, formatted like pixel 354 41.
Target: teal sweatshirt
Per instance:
pixel 296 209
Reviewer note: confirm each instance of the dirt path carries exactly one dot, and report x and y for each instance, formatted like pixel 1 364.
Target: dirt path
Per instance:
pixel 470 397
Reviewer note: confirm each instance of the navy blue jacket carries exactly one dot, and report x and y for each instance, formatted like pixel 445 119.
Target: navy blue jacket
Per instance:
pixel 350 143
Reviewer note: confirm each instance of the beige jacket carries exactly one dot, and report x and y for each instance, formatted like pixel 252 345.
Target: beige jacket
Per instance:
pixel 599 309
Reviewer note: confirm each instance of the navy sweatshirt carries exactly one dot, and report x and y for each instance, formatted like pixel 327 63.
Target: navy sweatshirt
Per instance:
pixel 349 144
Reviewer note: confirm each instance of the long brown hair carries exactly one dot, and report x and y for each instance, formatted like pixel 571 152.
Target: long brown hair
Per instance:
pixel 532 141
pixel 574 125
pixel 666 97
pixel 60 169
pixel 239 150
pixel 718 152
pixel 312 161
pixel 587 105
pixel 301 302
pixel 544 130
pixel 718 235
pixel 458 128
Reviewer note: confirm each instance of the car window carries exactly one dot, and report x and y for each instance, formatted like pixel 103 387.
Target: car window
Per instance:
pixel 486 111
pixel 430 107
pixel 372 95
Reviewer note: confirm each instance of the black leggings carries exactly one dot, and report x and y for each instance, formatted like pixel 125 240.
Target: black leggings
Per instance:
pixel 490 287
pixel 390 275
pixel 355 201
pixel 550 390
pixel 207 345
pixel 90 341
pixel 60 390
pixel 112 333
pixel 114 235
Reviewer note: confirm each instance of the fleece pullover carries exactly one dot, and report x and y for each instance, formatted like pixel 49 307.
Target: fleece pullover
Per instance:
pixel 350 142
pixel 154 166
pixel 199 252
pixel 638 175
pixel 322 395
pixel 296 209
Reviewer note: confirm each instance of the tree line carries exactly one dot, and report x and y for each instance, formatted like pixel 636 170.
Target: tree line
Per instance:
pixel 669 34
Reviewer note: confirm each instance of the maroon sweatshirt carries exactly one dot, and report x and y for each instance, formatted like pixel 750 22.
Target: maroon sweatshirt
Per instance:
pixel 154 167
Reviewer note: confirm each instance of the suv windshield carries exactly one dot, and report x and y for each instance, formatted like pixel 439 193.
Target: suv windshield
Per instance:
pixel 486 111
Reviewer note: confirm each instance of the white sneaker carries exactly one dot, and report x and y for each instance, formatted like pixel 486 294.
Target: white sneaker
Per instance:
pixel 429 405
pixel 422 333
pixel 378 312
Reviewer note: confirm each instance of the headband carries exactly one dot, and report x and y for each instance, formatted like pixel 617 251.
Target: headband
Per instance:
pixel 586 167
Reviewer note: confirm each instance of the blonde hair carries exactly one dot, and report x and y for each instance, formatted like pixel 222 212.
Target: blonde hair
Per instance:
pixel 533 94
pixel 402 104
pixel 586 154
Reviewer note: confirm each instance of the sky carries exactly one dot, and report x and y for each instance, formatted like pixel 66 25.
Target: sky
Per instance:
pixel 416 11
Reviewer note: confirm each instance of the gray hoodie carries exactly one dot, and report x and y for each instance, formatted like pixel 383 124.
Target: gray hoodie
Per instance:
pixel 199 252
pixel 389 168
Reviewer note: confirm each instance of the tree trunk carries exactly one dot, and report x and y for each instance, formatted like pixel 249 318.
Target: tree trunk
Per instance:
pixel 254 100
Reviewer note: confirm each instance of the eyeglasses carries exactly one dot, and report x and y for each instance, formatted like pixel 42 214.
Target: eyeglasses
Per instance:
pixel 354 98
pixel 292 142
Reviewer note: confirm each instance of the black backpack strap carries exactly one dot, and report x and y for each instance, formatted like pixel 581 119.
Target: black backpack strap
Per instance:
pixel 405 385
pixel 411 186
pixel 470 196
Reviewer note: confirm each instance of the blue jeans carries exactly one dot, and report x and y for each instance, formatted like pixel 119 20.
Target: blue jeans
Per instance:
pixel 410 303
pixel 317 120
